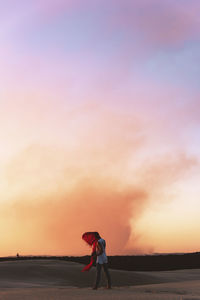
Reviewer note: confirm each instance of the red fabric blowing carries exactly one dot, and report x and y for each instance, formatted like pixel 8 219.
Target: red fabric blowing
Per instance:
pixel 90 239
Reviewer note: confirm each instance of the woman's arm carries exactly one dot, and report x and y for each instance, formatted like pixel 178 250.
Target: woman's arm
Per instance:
pixel 99 249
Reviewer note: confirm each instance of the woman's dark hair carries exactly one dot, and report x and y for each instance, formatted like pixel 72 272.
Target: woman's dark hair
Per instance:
pixel 97 235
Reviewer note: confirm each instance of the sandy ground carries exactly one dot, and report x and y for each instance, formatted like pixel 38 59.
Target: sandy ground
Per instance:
pixel 52 279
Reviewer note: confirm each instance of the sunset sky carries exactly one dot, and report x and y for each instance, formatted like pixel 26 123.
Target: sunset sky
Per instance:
pixel 99 125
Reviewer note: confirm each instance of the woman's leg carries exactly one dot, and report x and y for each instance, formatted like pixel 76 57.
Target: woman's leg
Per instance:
pixel 98 276
pixel 105 267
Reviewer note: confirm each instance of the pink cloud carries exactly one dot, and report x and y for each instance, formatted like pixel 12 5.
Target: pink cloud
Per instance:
pixel 161 23
pixel 153 22
pixel 51 8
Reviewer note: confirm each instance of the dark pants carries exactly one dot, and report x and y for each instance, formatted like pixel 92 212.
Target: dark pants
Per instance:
pixel 98 275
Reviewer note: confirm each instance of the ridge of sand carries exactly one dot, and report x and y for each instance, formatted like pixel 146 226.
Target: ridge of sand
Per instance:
pixel 53 279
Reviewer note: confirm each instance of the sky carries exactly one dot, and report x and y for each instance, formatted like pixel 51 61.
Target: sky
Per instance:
pixel 99 125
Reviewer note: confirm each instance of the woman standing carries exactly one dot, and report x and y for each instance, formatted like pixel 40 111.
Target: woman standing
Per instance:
pixel 99 252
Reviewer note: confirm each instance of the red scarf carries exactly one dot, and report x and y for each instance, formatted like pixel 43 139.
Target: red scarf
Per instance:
pixel 90 239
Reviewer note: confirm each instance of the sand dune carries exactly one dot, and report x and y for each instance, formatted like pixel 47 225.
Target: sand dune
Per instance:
pixel 53 279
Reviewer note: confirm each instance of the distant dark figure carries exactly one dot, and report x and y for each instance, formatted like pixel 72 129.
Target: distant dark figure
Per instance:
pixel 17 255
pixel 99 254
